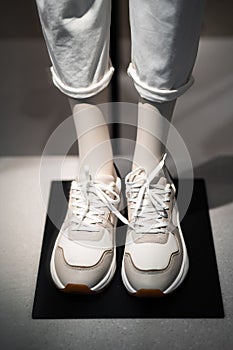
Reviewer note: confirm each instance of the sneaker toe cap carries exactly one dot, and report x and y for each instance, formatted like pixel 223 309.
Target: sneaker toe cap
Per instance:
pixel 88 275
pixel 159 279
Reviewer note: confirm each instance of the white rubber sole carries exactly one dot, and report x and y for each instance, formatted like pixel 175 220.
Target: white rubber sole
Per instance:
pixel 180 277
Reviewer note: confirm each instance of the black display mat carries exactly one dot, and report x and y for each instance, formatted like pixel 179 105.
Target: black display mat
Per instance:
pixel 199 296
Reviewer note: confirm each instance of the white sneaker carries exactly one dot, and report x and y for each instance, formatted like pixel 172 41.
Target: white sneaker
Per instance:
pixel 84 254
pixel 155 259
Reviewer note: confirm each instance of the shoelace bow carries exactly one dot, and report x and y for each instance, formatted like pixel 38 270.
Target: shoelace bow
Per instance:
pixel 155 209
pixel 90 199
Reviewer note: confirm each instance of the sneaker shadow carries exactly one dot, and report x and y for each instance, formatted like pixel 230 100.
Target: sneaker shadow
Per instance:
pixel 218 176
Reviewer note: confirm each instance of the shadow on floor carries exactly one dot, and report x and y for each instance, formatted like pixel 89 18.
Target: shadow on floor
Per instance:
pixel 218 174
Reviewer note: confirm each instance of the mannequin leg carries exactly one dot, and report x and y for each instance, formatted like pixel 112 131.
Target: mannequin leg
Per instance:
pixel 81 69
pixel 165 37
pixel 95 149
pixel 152 132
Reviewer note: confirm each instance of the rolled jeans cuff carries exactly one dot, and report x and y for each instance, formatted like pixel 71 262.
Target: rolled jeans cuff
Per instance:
pixel 85 92
pixel 155 94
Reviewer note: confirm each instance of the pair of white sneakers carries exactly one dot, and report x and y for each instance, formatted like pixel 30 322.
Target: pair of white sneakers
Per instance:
pixel 155 260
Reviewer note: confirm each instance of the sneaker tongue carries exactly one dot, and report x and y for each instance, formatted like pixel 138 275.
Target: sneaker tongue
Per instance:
pixel 110 181
pixel 162 181
pixel 139 175
pixel 106 179
pixel 158 179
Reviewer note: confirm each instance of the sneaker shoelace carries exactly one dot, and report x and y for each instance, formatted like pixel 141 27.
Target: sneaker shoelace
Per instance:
pixel 149 202
pixel 89 201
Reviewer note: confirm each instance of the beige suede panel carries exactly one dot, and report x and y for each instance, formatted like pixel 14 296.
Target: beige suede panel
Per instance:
pixel 153 279
pixel 90 275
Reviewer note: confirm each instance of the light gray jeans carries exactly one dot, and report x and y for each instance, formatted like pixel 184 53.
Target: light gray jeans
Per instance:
pixel 164 36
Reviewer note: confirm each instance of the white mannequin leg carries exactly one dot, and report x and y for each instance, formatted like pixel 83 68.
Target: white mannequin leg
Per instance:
pixel 149 149
pixel 95 149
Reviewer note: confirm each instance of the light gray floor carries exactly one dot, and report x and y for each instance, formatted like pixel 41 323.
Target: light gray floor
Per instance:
pixel 204 118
